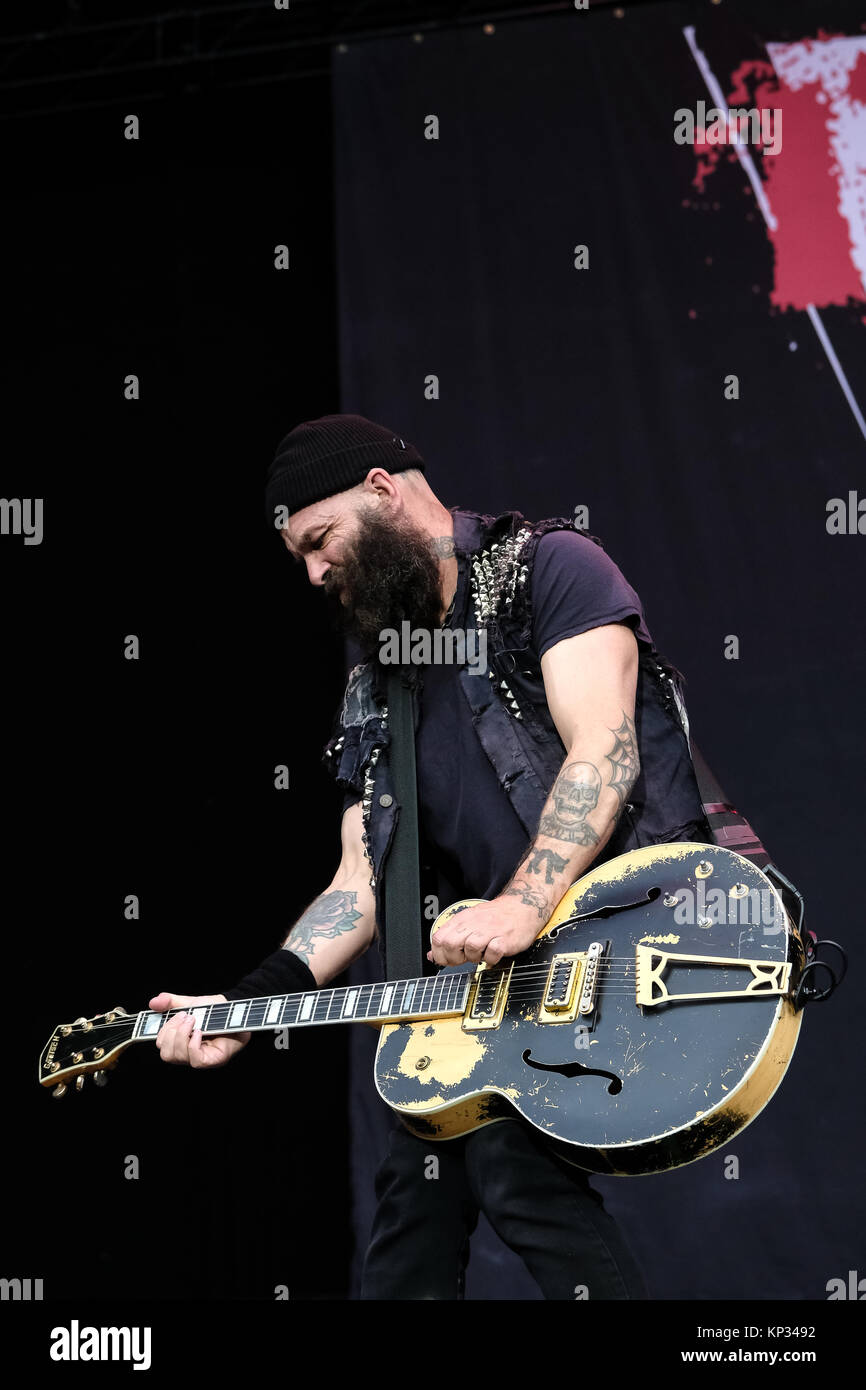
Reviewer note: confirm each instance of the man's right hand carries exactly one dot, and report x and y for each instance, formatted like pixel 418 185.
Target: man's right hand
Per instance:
pixel 179 1041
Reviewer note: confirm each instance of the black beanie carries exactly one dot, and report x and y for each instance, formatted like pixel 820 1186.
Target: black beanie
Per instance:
pixel 322 457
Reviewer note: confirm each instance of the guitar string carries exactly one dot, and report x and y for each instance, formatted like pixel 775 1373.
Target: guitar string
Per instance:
pixel 608 971
pixel 611 973
pixel 530 995
pixel 608 967
pixel 79 1031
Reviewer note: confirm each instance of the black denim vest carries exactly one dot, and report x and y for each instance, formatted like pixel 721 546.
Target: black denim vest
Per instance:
pixel 510 711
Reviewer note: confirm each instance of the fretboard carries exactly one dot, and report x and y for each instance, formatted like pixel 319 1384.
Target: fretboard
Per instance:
pixel 391 1001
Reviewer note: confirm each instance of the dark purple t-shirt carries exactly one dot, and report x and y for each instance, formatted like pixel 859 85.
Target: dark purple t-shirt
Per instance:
pixel 470 832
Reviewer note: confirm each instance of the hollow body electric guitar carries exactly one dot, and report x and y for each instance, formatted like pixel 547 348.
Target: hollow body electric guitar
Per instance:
pixel 652 1019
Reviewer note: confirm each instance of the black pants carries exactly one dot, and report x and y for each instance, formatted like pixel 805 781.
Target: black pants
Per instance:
pixel 540 1206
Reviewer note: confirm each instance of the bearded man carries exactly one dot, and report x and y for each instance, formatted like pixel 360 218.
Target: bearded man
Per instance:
pixel 570 748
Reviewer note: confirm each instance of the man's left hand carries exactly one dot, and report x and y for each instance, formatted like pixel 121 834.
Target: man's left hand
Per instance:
pixel 505 926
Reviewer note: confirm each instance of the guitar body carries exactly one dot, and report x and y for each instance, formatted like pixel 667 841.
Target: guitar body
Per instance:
pixel 627 1087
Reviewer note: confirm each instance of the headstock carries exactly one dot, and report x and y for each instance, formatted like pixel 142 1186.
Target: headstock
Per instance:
pixel 87 1045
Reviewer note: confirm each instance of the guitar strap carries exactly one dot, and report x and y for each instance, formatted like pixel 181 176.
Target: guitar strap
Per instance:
pixel 402 874
pixel 727 825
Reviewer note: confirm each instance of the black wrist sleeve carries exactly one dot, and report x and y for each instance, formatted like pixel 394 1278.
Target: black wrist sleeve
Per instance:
pixel 281 973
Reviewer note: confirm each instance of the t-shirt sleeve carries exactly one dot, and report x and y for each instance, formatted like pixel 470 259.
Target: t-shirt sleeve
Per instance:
pixel 575 587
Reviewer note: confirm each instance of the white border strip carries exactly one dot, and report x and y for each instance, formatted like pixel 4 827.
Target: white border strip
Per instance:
pixel 836 365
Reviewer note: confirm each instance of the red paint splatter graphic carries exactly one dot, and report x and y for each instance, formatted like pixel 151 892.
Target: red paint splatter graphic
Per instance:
pixel 816 184
pixel 763 96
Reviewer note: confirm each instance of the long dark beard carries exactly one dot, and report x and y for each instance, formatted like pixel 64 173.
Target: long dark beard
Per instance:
pixel 388 574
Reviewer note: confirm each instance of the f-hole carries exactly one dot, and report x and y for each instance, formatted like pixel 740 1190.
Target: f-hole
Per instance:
pixel 575 1069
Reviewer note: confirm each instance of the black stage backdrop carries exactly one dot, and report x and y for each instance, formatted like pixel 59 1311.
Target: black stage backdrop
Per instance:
pixel 558 388
pixel 470 165
pixel 156 777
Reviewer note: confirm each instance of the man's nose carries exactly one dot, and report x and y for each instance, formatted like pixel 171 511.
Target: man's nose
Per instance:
pixel 316 568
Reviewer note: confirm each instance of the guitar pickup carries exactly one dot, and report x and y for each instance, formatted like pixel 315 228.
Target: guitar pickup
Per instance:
pixel 572 982
pixel 488 995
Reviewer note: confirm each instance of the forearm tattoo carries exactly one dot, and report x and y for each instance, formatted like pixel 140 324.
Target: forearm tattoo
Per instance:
pixel 545 861
pixel 326 918
pixel 575 794
pixel 623 759
pixel 530 897
pixel 576 790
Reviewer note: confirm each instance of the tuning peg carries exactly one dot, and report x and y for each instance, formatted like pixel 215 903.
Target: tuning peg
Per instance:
pixel 79 1082
pixel 119 1009
pixel 101 1078
pixel 59 1091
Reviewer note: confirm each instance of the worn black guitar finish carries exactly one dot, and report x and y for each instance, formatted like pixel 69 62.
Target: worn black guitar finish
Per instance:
pixel 650 1022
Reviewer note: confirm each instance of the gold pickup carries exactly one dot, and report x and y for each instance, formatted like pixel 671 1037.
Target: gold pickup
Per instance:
pixel 572 983
pixel 488 994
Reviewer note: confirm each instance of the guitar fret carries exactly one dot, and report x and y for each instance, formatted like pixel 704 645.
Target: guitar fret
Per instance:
pixel 307 1006
pixel 217 1016
pixel 442 993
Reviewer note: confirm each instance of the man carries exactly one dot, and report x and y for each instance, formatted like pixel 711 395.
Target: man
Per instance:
pixel 568 748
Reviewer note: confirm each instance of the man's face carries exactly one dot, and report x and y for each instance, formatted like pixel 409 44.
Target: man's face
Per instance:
pixel 377 567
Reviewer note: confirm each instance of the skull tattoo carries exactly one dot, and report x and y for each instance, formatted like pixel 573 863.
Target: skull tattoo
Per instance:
pixel 575 793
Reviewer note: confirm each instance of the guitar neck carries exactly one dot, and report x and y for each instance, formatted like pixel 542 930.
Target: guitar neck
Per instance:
pixel 389 1001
